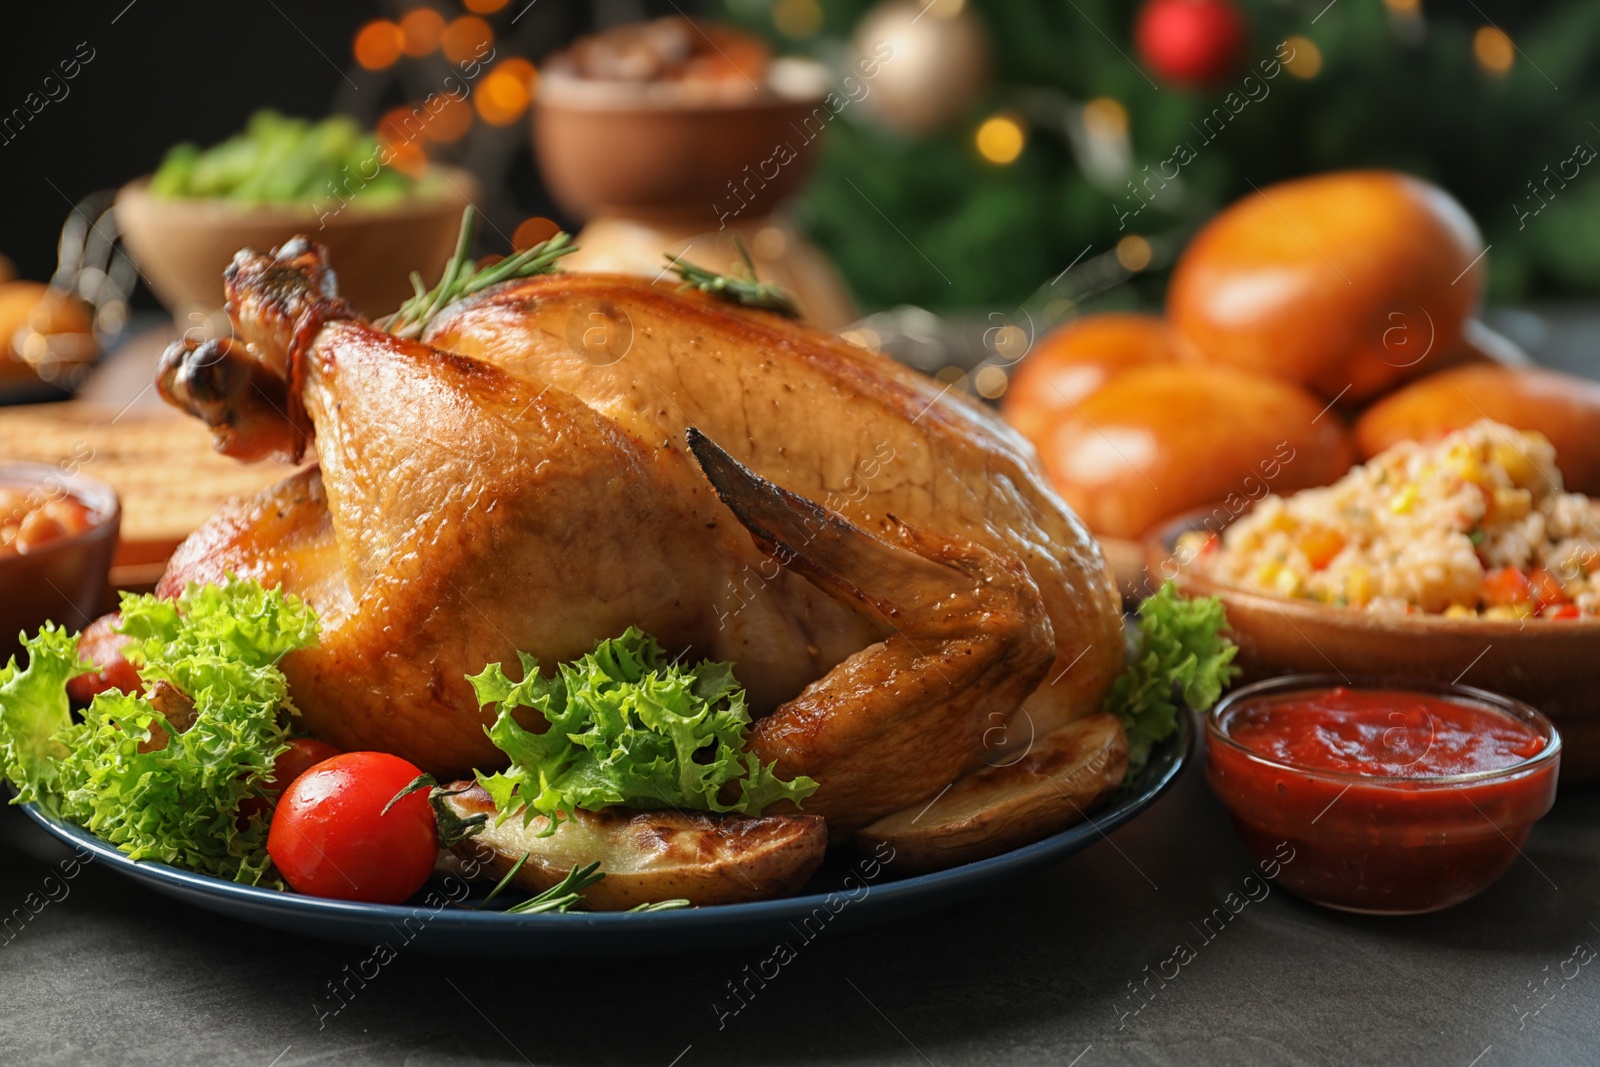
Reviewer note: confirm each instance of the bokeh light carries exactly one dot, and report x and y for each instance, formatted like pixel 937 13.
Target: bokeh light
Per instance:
pixel 1307 57
pixel 450 122
pixel 378 44
pixel 1000 139
pixel 484 7
pixel 505 92
pixel 468 37
pixel 1133 252
pixel 1493 49
pixel 422 29
pixel 533 231
pixel 990 382
pixel 1105 118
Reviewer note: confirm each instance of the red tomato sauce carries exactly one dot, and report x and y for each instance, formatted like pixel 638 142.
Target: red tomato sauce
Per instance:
pixel 1383 732
pixel 1355 786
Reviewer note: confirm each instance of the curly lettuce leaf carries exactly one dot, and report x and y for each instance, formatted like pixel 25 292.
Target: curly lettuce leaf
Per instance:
pixel 178 803
pixel 1179 649
pixel 34 710
pixel 626 727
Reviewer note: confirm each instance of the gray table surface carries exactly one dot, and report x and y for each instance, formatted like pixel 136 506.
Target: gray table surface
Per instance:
pixel 1046 972
pixel 1041 973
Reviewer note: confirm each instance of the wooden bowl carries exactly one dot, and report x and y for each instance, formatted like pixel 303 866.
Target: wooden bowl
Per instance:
pixel 1549 664
pixel 65 580
pixel 182 246
pixel 657 152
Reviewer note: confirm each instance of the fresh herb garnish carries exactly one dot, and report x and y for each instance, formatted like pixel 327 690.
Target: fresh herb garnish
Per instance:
pixel 626 727
pixel 1180 647
pixel 563 895
pixel 742 289
pixel 461 279
pixel 218 646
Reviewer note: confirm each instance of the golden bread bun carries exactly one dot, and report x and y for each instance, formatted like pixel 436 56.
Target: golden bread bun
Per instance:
pixel 1159 441
pixel 1348 283
pixel 1075 359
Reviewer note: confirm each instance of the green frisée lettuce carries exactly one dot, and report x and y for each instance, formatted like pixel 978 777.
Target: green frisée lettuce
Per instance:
pixel 219 646
pixel 1179 649
pixel 627 727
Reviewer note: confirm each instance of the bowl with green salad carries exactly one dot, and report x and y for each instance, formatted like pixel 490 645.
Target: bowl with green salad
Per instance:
pixel 280 176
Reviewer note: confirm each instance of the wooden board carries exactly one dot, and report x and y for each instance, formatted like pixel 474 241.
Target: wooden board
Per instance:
pixel 159 462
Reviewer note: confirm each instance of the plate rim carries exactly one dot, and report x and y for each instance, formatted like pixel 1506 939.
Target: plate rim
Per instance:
pixel 251 898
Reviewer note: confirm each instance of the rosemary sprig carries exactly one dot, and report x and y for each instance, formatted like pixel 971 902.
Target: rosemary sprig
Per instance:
pixel 561 896
pixel 461 280
pixel 742 289
pixel 502 883
pixel 664 905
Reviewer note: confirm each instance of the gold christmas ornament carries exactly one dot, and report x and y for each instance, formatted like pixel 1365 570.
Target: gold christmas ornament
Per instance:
pixel 937 66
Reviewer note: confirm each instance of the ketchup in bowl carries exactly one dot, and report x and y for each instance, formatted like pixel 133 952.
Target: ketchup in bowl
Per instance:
pixel 1395 798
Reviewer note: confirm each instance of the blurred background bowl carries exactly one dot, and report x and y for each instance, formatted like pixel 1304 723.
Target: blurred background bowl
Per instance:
pixel 659 152
pixel 63 579
pixel 182 246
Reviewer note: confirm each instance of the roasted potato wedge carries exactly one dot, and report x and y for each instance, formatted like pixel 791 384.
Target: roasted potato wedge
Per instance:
pixel 1062 776
pixel 649 856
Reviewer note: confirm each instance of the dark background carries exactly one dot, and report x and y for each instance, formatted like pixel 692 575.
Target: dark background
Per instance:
pixel 174 70
pixel 171 70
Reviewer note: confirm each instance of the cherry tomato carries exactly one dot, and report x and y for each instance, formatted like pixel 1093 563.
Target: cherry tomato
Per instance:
pixel 302 754
pixel 1565 611
pixel 101 645
pixel 328 838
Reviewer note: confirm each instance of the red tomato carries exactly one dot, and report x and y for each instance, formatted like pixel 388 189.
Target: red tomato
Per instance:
pixel 1565 611
pixel 101 645
pixel 302 754
pixel 328 838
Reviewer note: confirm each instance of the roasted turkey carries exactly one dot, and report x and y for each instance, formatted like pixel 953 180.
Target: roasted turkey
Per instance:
pixel 562 457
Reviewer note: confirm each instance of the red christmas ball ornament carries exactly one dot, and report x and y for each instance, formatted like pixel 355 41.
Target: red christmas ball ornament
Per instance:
pixel 1194 43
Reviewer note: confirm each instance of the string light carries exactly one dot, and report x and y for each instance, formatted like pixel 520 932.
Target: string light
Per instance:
pixel 1493 49
pixel 422 29
pixel 1306 57
pixel 1000 139
pixel 468 37
pixel 797 18
pixel 1133 252
pixel 377 44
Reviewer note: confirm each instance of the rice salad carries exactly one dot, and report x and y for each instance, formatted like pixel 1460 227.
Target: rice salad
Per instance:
pixel 1473 524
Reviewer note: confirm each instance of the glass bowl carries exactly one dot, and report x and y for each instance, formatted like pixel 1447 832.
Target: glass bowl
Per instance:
pixel 1375 843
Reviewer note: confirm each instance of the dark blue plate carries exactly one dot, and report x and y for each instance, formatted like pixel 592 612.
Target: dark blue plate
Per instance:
pixel 851 892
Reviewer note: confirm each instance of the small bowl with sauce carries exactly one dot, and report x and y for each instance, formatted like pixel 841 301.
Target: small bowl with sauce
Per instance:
pixel 58 532
pixel 1395 797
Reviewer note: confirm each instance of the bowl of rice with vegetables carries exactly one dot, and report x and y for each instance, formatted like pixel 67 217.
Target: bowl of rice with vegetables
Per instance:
pixel 1458 559
pixel 1473 525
